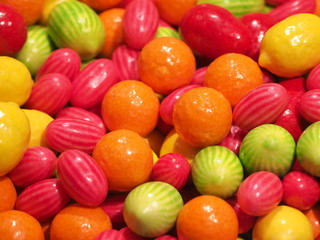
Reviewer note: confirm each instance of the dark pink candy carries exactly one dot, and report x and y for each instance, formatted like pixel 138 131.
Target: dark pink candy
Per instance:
pixel 37 163
pixel 313 79
pixel 140 23
pixel 68 133
pixel 130 235
pixel 267 76
pixel 234 139
pixel 260 193
pixel 110 234
pixel 300 190
pixel 50 94
pixel 64 60
pixel 125 60
pixel 198 76
pixel 167 104
pixel 43 199
pixel 82 178
pixel 80 113
pixel 166 237
pixel 91 84
pixel 309 106
pixel 172 168
pixel 262 105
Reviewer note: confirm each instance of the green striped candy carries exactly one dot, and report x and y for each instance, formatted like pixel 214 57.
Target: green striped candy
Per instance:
pixel 151 209
pixel 267 147
pixel 216 170
pixel 75 25
pixel 167 32
pixel 36 49
pixel 308 149
pixel 238 7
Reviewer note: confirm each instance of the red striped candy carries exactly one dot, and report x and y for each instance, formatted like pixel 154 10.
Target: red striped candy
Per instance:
pixel 50 94
pixel 262 105
pixel 80 113
pixel 309 106
pixel 111 234
pixel 64 60
pixel 92 83
pixel 292 7
pixel 82 177
pixel 43 199
pixel 126 62
pixel 313 79
pixel 172 168
pixel 140 23
pixel 259 193
pixel 67 133
pixel 37 163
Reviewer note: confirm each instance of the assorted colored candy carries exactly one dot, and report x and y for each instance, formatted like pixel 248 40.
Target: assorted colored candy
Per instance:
pixel 159 119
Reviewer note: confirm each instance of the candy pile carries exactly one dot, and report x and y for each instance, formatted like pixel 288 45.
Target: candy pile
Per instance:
pixel 159 119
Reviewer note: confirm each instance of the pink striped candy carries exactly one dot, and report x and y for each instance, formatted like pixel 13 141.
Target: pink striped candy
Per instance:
pixel 198 76
pixel 92 83
pixel 259 193
pixel 50 94
pixel 140 23
pixel 37 163
pixel 67 133
pixel 172 168
pixel 234 139
pixel 126 62
pixel 43 199
pixel 313 79
pixel 262 105
pixel 80 113
pixel 64 60
pixel 166 237
pixel 130 235
pixel 82 177
pixel 167 104
pixel 309 106
pixel 110 234
pixel 292 7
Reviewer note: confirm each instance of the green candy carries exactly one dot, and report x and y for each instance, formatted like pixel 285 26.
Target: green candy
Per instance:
pixel 216 170
pixel 152 208
pixel 308 149
pixel 75 25
pixel 267 147
pixel 36 49
pixel 238 7
pixel 167 32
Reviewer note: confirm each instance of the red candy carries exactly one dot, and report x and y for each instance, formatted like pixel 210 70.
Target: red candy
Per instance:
pixel 234 139
pixel 313 79
pixel 309 106
pixel 110 234
pixel 82 178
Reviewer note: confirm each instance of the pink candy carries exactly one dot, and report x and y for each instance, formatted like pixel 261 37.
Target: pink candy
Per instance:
pixel 110 234
pixel 309 106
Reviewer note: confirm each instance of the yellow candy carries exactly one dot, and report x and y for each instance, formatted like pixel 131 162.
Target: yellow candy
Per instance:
pixel 48 6
pixel 291 47
pixel 14 135
pixel 15 81
pixel 38 123
pixel 283 223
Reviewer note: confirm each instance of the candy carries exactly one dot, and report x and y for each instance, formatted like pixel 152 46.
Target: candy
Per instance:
pixel 110 234
pixel 309 105
pixel 313 80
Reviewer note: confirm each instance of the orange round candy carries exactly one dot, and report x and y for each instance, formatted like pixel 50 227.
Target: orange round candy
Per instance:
pixel 131 105
pixel 207 217
pixel 112 22
pixel 234 75
pixel 29 9
pixel 17 225
pixel 313 214
pixel 165 64
pixel 8 194
pixel 155 139
pixel 79 222
pixel 202 117
pixel 172 11
pixel 101 5
pixel 126 159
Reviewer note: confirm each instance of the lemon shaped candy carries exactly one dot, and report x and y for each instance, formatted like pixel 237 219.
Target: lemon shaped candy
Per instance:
pixel 38 124
pixel 283 223
pixel 15 81
pixel 14 135
pixel 291 47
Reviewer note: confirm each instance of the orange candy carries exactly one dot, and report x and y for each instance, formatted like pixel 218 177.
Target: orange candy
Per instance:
pixel 202 117
pixel 155 139
pixel 234 75
pixel 112 22
pixel 317 10
pixel 77 222
pixel 207 217
pixel 8 194
pixel 165 64
pixel 29 9
pixel 125 158
pixel 130 105
pixel 172 11
pixel 313 214
pixel 17 225
pixel 101 5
